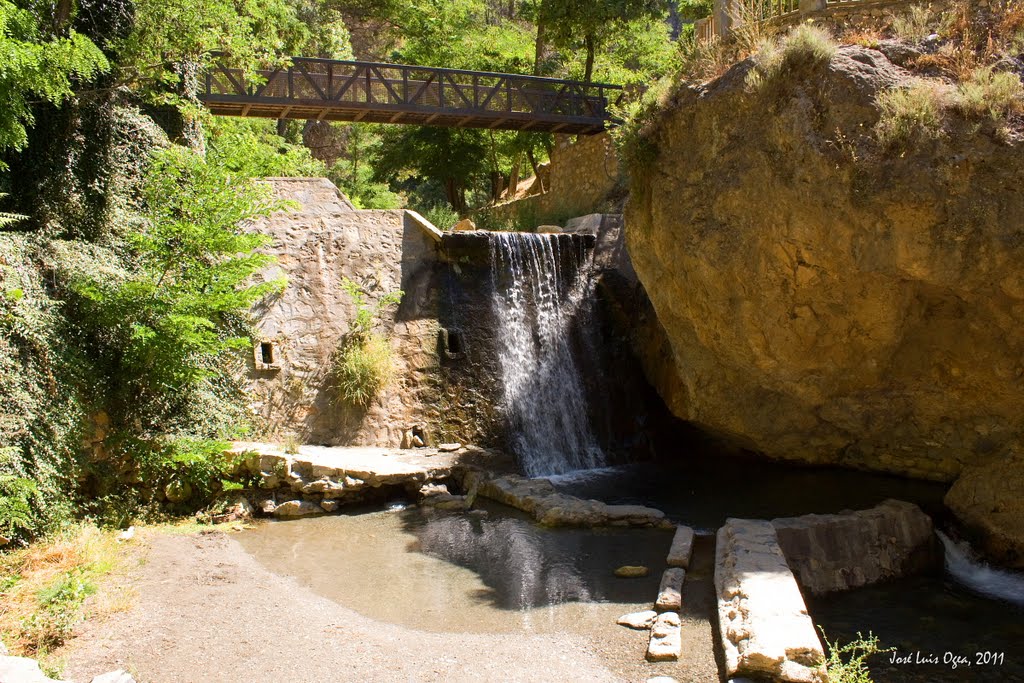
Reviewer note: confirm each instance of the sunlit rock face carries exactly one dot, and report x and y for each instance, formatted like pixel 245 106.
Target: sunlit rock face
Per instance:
pixel 827 300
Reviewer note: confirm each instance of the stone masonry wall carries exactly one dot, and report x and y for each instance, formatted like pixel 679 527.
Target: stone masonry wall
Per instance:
pixel 316 246
pixel 583 175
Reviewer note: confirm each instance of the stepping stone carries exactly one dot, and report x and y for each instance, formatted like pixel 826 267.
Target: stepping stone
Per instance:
pixel 631 572
pixel 670 595
pixel 682 548
pixel 638 620
pixel 666 638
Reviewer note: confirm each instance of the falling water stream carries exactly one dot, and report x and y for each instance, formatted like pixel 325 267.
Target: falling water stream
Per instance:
pixel 542 292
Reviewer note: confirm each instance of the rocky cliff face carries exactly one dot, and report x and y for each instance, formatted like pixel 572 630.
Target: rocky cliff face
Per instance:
pixel 829 301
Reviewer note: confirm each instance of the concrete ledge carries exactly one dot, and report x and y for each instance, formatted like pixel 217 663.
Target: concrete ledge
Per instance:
pixel 428 228
pixel 765 629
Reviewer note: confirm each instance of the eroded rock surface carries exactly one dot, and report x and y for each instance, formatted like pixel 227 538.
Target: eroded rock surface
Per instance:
pixel 826 300
pixel 989 499
pixel 830 553
pixel 764 625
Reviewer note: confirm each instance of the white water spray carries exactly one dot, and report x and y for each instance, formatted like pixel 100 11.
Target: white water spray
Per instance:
pixel 536 306
pixel 963 565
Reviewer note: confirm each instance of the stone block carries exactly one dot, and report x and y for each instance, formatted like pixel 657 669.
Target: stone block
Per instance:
pixel 670 594
pixel 764 627
pixel 830 553
pixel 682 548
pixel 666 641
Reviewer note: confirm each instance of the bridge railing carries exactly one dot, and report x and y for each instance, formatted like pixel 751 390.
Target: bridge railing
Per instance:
pixel 410 88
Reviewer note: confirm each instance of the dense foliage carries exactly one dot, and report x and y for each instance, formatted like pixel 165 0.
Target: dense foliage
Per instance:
pixel 125 271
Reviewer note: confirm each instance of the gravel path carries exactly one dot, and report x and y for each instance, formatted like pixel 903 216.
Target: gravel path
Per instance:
pixel 207 612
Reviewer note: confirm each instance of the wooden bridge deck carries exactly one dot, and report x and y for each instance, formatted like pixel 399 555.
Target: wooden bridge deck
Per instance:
pixel 389 93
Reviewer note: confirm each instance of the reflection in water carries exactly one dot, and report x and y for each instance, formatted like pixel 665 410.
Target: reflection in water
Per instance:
pixel 484 571
pixel 528 566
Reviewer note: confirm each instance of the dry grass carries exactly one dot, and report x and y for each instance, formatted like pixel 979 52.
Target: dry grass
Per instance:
pixel 805 45
pixel 865 37
pixel 911 114
pixel 912 25
pixel 991 94
pixel 44 588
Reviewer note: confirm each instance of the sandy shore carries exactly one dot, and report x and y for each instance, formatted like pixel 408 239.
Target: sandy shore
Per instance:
pixel 208 611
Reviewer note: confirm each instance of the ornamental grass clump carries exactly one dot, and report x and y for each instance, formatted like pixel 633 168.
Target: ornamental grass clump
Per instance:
pixel 992 94
pixel 363 363
pixel 806 45
pixel 910 114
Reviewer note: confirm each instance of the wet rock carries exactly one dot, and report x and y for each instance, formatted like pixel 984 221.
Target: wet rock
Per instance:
pixel 830 553
pixel 763 622
pixel 682 548
pixel 988 499
pixel 119 676
pixel 330 505
pixel 325 487
pixel 631 571
pixel 539 498
pixel 666 638
pixel 297 508
pixel 638 620
pixel 22 670
pixel 266 505
pixel 670 594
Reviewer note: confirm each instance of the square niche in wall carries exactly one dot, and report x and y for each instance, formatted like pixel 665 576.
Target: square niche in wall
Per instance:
pixel 267 355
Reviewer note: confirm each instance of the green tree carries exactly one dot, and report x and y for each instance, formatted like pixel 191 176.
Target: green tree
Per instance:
pixel 36 66
pixel 568 23
pixel 160 328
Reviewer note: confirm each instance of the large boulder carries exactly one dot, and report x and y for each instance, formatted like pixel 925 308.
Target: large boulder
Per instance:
pixel 989 499
pixel 828 300
pixel 831 553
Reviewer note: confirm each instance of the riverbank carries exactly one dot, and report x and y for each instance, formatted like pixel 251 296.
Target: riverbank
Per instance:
pixel 206 609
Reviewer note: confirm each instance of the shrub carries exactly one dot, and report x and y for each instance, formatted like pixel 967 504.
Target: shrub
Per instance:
pixel 443 216
pixel 363 368
pixel 909 114
pixel 913 25
pixel 806 45
pixel 362 365
pixel 847 663
pixel 991 94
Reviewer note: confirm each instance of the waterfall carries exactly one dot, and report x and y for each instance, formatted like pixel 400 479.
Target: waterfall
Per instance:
pixel 962 564
pixel 542 294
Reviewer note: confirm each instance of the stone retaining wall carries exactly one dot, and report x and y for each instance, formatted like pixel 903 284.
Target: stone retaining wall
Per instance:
pixel 583 175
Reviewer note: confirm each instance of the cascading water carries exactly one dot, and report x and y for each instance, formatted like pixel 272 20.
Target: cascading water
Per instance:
pixel 541 293
pixel 962 564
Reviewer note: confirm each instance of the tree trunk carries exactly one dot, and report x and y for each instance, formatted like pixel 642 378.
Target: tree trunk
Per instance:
pixel 538 48
pixel 588 72
pixel 536 169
